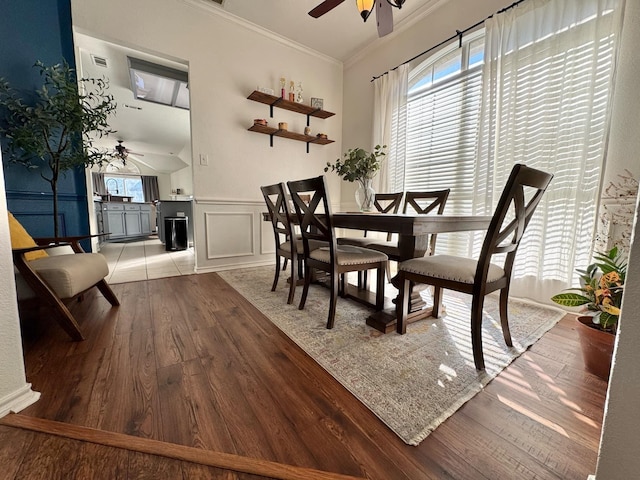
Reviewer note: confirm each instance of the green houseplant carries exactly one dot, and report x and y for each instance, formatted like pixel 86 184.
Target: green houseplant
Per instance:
pixel 55 132
pixel 600 293
pixel 359 165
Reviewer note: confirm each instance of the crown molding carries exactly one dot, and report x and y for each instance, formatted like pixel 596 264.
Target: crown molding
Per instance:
pixel 209 7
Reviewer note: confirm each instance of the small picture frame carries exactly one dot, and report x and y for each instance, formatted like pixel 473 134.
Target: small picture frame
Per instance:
pixel 317 103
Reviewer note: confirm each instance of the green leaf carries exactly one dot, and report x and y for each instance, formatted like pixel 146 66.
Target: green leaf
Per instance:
pixel 570 299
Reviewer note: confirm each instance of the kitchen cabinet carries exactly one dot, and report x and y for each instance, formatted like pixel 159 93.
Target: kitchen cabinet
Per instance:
pixel 126 220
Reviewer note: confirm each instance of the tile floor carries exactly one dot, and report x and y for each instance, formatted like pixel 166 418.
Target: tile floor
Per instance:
pixel 145 260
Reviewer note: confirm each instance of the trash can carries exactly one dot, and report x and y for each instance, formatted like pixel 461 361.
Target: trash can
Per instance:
pixel 175 233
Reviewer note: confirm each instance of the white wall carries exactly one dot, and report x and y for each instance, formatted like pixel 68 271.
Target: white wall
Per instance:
pixel 227 60
pixel 620 444
pixel 15 392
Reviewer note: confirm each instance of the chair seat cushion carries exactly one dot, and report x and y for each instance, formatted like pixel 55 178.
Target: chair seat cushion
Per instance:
pixel 449 267
pixel 355 241
pixel 69 275
pixel 313 244
pixel 349 255
pixel 390 248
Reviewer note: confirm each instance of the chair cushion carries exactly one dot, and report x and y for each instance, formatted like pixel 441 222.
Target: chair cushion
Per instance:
pixel 389 248
pixel 349 255
pixel 69 275
pixel 20 238
pixel 355 241
pixel 313 244
pixel 449 267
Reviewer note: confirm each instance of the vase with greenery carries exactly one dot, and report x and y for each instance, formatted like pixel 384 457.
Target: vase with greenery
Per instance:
pixel 600 294
pixel 55 131
pixel 360 166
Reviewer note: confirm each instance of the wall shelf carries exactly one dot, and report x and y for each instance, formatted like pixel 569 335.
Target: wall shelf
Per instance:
pixel 300 108
pixel 278 102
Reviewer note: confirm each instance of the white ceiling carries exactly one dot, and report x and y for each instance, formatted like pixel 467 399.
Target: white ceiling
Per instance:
pixel 162 133
pixel 340 33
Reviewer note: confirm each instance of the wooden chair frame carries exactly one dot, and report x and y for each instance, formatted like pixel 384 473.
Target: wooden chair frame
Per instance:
pixel 45 294
pixel 280 214
pixel 499 239
pixel 316 225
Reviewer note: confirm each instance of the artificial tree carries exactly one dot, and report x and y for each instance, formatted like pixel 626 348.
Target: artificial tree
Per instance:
pixel 55 131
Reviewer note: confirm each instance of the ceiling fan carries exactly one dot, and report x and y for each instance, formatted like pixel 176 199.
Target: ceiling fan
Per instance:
pixel 122 152
pixel 384 13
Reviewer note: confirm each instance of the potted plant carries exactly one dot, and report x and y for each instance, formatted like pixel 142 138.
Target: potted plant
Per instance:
pixel 602 285
pixel 55 131
pixel 361 166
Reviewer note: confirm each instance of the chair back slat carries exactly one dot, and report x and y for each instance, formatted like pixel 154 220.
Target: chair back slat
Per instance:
pixel 438 199
pixel 314 216
pixel 387 203
pixel 275 197
pixel 506 239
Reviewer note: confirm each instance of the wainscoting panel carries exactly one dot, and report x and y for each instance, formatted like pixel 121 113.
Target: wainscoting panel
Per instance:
pixel 267 245
pixel 229 234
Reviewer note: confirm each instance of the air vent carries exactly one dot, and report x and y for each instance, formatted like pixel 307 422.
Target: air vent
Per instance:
pixel 99 61
pixel 218 2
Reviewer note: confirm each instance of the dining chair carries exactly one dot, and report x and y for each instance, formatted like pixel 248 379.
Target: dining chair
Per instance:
pixel 288 245
pixel 523 192
pixel 421 203
pixel 384 203
pixel 316 225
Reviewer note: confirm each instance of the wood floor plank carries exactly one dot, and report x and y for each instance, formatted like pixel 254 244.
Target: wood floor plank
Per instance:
pixel 68 433
pixel 49 458
pixel 189 360
pixel 15 444
pixel 148 467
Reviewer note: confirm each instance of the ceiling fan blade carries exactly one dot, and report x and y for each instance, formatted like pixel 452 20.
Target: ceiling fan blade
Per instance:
pixel 384 17
pixel 324 7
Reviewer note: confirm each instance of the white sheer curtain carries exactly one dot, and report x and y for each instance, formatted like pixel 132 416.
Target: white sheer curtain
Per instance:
pixel 390 112
pixel 547 79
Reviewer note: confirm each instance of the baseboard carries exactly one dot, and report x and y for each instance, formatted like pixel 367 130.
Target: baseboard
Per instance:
pixel 18 400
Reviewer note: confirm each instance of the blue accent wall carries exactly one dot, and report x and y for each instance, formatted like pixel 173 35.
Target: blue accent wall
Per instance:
pixel 32 30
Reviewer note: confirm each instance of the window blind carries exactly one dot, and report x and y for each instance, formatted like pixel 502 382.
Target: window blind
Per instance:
pixel 441 129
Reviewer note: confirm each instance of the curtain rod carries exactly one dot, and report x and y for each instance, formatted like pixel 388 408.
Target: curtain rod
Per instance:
pixel 458 35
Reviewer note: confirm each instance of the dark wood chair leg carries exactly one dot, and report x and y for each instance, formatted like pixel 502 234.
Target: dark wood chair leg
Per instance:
pixel 504 316
pixel 476 331
pixel 293 280
pixel 335 280
pixel 276 276
pixel 285 263
pixel 305 289
pixel 105 289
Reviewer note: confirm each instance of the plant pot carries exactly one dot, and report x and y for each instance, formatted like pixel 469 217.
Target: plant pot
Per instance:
pixel 597 347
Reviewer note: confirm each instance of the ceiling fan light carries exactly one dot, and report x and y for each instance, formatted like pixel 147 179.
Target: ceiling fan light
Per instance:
pixel 365 7
pixel 396 3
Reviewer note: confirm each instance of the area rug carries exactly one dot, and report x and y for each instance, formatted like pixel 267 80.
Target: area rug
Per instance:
pixel 412 382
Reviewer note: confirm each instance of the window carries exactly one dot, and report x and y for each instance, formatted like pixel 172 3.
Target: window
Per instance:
pixel 442 121
pixel 544 101
pixel 159 84
pixel 125 186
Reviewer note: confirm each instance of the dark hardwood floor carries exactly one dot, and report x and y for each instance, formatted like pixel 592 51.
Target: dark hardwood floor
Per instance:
pixel 187 360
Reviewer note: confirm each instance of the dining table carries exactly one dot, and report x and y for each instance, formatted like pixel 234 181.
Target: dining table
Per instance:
pixel 413 232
